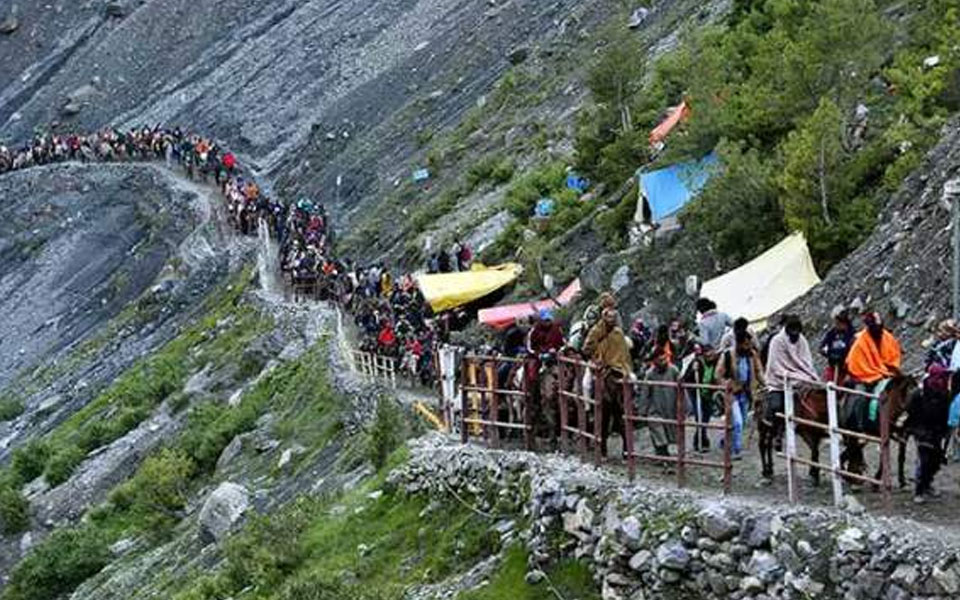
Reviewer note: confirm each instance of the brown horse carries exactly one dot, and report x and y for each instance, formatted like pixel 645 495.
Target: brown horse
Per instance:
pixel 811 405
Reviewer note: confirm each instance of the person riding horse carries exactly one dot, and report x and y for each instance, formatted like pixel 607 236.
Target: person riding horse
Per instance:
pixel 789 358
pixel 873 360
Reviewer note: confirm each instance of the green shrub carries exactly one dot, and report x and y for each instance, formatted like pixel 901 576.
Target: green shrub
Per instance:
pixel 158 492
pixel 386 434
pixel 29 461
pixel 14 509
pixel 58 565
pixel 613 224
pixel 62 464
pixel 11 407
pixel 492 168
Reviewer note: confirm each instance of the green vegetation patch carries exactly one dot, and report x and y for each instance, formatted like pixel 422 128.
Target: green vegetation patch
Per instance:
pixel 571 578
pixel 362 546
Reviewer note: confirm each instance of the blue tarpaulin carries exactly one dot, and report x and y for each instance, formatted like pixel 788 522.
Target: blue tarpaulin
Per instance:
pixel 670 189
pixel 544 207
pixel 421 175
pixel 577 183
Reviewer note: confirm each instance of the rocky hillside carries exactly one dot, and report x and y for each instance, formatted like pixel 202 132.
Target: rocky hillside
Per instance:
pixel 904 268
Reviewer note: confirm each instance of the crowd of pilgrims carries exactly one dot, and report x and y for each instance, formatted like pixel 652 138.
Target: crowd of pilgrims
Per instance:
pixel 394 319
pixel 715 349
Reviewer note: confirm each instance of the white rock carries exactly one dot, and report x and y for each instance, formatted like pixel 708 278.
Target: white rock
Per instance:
pixel 222 510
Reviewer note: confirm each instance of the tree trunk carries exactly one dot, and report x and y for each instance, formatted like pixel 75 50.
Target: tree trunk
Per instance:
pixel 822 173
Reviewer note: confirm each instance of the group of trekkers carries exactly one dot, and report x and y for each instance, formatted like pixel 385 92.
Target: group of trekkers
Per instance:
pixel 720 353
pixel 198 155
pixel 393 319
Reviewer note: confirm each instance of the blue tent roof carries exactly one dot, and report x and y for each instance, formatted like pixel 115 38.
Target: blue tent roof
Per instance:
pixel 670 189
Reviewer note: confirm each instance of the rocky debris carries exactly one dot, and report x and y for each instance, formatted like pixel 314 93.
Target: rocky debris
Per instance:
pixel 225 506
pixel 645 542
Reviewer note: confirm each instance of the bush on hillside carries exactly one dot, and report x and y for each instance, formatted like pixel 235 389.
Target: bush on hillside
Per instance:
pixel 781 82
pixel 11 407
pixel 63 561
pixel 387 432
pixel 14 509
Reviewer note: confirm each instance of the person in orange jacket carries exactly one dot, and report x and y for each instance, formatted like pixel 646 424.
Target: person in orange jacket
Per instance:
pixel 874 358
pixel 875 354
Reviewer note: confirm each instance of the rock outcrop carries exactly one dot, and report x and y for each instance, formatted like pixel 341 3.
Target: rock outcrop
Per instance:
pixel 225 506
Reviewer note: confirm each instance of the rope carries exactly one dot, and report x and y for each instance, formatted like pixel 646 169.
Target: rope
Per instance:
pixel 453 492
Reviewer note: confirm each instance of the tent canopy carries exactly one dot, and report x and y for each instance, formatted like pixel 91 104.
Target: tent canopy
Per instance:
pixel 670 189
pixel 766 284
pixel 445 291
pixel 677 114
pixel 501 317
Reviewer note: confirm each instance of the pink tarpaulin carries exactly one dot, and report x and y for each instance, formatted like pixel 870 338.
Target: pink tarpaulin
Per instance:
pixel 677 114
pixel 501 317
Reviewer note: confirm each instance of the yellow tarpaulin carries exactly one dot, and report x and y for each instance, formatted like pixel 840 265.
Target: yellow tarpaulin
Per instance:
pixel 766 284
pixel 449 290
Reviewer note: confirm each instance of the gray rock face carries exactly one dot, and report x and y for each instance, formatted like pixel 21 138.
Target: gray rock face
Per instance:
pixel 225 506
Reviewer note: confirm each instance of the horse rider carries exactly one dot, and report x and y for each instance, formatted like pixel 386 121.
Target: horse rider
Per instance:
pixel 608 350
pixel 873 360
pixel 789 358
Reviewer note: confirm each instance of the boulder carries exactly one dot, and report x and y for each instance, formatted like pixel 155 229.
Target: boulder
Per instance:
pixel 621 278
pixel 673 556
pixel 71 108
pixel 764 566
pixel 225 506
pixel 717 523
pixel 9 24
pixel 232 451
pixel 755 531
pixel 116 10
pixel 851 540
pixel 518 55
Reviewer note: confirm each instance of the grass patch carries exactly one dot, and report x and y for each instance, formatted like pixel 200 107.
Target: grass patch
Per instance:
pixel 571 578
pixel 354 547
pixel 11 407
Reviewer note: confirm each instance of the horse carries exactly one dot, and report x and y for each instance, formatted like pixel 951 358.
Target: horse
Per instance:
pixel 811 405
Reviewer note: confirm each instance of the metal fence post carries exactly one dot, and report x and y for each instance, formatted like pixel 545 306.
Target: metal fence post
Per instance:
pixel 464 401
pixel 885 450
pixel 681 402
pixel 791 439
pixel 493 402
pixel 832 422
pixel 562 402
pixel 628 441
pixel 579 373
pixel 527 408
pixel 599 392
pixel 728 437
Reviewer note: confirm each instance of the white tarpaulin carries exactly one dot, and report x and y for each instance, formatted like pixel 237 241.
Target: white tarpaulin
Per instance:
pixel 767 283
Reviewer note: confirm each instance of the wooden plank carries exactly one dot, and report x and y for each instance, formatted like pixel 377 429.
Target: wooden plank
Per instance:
pixel 791 440
pixel 834 446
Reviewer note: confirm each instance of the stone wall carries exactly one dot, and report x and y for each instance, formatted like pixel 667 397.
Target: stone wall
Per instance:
pixel 645 542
